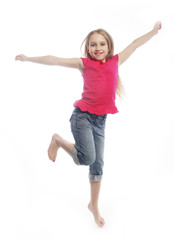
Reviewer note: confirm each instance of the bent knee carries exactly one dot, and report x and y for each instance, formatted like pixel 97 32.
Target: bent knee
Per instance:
pixel 87 160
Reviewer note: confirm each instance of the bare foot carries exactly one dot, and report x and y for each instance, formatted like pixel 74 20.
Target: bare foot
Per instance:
pixel 54 146
pixel 98 219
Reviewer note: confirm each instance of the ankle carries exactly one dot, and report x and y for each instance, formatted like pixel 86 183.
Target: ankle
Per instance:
pixel 93 204
pixel 57 139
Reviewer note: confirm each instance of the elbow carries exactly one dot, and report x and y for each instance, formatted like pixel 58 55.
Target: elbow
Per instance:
pixel 135 44
pixel 52 60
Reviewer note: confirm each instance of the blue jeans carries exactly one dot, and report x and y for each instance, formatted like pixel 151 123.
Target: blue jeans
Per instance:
pixel 89 134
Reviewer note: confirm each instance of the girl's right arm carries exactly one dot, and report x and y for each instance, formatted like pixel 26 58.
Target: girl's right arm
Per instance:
pixel 51 60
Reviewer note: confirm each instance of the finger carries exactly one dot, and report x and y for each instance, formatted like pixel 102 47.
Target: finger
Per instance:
pixel 159 25
pixel 18 57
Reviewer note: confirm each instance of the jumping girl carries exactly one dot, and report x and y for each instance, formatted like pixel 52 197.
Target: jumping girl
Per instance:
pixel 99 69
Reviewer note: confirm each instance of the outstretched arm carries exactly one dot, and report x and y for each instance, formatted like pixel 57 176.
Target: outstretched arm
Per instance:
pixel 51 60
pixel 126 53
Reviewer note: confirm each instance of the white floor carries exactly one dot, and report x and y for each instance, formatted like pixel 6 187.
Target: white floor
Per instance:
pixel 45 200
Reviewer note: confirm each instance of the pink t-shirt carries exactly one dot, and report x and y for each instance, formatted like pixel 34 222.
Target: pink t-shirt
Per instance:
pixel 100 85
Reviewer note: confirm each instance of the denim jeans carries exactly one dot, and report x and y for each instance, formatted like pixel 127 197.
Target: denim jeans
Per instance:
pixel 89 134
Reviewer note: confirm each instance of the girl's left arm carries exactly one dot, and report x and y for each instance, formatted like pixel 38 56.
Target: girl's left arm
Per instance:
pixel 126 53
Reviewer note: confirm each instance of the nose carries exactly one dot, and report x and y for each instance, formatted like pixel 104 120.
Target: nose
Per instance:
pixel 97 47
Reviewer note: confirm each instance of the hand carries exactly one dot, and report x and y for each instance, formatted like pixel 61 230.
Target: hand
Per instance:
pixel 21 57
pixel 157 27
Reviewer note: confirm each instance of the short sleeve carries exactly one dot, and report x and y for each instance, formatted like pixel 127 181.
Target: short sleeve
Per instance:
pixel 115 57
pixel 85 61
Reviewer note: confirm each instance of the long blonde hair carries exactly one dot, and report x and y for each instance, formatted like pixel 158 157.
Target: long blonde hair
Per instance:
pixel 110 43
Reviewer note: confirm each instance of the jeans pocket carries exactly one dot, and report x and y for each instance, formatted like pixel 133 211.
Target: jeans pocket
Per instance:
pixel 82 120
pixel 101 121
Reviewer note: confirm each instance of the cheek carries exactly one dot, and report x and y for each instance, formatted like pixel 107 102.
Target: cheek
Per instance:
pixel 90 51
pixel 107 50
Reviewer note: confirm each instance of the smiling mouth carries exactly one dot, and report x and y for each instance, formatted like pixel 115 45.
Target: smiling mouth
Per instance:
pixel 98 53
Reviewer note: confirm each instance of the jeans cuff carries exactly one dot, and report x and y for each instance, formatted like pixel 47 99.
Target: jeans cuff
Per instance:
pixel 74 156
pixel 95 178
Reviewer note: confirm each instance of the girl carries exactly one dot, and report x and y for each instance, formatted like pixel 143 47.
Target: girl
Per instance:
pixel 99 69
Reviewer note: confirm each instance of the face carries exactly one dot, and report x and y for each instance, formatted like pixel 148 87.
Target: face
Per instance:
pixel 98 47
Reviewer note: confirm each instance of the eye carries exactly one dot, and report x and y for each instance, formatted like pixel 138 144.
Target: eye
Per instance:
pixel 92 44
pixel 103 44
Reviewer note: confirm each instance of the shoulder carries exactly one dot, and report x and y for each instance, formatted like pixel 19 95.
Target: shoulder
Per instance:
pixel 86 61
pixel 114 60
pixel 115 57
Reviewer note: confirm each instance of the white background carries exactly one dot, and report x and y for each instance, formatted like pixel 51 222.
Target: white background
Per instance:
pixel 44 200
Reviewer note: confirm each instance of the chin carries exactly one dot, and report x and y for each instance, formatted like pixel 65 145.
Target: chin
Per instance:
pixel 99 59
